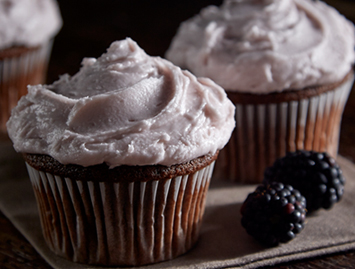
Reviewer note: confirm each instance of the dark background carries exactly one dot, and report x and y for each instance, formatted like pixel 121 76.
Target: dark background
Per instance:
pixel 90 26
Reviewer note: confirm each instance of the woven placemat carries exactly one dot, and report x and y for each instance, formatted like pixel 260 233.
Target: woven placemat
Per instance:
pixel 222 243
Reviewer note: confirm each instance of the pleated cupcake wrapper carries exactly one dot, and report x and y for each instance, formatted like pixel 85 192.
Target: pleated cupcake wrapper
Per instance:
pixel 16 72
pixel 265 132
pixel 113 223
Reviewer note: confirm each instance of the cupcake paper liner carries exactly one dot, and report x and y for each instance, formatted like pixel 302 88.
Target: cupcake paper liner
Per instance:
pixel 265 132
pixel 18 71
pixel 120 223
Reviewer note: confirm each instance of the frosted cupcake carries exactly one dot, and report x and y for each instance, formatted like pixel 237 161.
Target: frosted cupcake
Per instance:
pixel 121 155
pixel 287 65
pixel 27 28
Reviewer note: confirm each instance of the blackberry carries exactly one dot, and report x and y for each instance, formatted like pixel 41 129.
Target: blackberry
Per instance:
pixel 274 213
pixel 316 175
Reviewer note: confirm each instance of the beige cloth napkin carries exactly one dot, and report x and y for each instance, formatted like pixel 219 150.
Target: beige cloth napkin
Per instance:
pixel 222 243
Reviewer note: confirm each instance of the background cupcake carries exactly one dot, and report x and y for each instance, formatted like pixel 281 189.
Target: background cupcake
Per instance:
pixel 27 28
pixel 120 156
pixel 286 65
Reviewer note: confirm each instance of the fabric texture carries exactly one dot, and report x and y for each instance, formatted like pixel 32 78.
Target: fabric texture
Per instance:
pixel 222 243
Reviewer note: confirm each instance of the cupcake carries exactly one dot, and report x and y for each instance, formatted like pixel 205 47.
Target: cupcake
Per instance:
pixel 27 28
pixel 120 156
pixel 287 65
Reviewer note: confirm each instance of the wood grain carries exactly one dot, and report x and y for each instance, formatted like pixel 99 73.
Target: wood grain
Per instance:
pixel 89 28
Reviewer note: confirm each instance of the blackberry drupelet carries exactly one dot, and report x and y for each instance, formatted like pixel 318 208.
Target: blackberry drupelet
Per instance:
pixel 316 175
pixel 274 213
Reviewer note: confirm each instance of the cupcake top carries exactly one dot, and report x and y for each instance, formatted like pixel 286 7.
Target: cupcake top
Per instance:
pixel 124 108
pixel 263 46
pixel 28 22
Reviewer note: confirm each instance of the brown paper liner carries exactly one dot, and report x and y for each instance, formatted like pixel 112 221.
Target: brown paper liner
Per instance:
pixel 266 131
pixel 121 223
pixel 19 68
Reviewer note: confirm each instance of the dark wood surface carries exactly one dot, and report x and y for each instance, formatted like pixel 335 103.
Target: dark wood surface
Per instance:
pixel 89 28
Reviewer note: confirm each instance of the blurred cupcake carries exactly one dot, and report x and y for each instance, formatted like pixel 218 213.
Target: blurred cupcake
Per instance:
pixel 120 156
pixel 287 65
pixel 27 28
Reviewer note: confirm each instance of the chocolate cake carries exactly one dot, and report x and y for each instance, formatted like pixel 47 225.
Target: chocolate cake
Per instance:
pixel 27 32
pixel 120 156
pixel 286 65
pixel 126 216
pixel 122 173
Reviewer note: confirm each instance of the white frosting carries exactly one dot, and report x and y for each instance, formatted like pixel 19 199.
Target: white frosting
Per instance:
pixel 123 108
pixel 262 46
pixel 28 22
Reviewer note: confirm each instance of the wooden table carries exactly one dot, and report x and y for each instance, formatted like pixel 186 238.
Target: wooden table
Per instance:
pixel 89 28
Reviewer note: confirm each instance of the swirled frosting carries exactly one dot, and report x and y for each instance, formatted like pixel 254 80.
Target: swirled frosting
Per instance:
pixel 28 22
pixel 263 46
pixel 123 108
